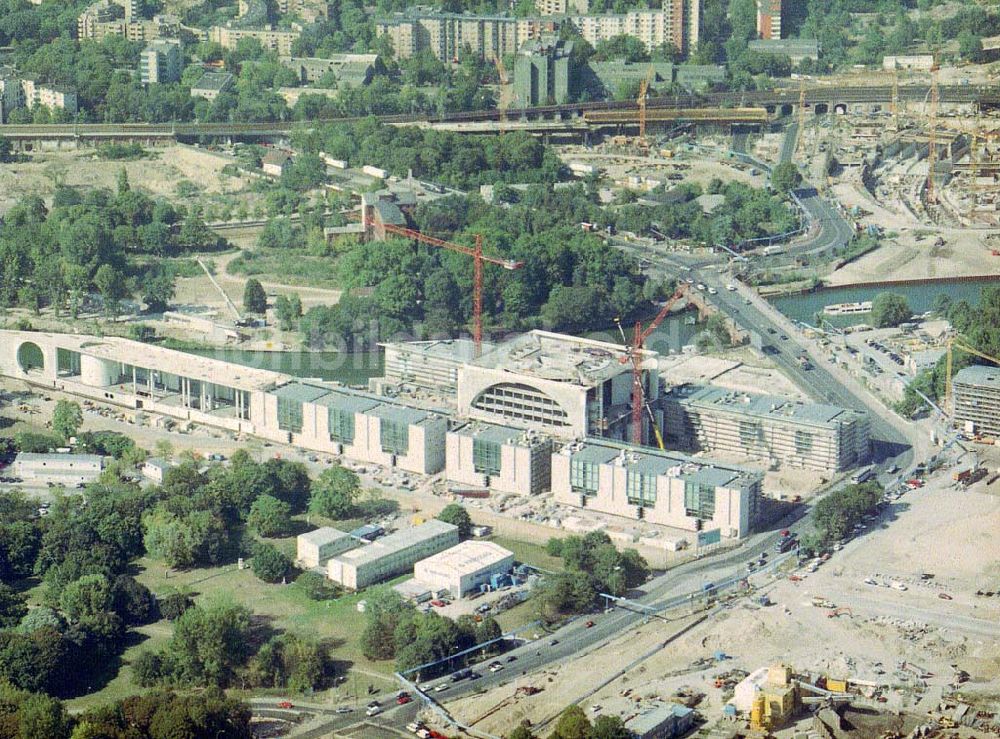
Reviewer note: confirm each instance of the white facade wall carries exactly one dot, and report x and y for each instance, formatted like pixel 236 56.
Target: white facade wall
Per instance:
pixel 517 469
pixel 734 506
pixel 438 574
pixel 60 469
pixel 382 559
pixel 315 548
pixel 425 454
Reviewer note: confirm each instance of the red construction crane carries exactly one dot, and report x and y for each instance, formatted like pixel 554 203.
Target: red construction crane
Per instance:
pixel 635 355
pixel 476 252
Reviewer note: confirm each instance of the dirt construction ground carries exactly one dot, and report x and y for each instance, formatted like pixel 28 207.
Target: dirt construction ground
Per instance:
pixel 937 530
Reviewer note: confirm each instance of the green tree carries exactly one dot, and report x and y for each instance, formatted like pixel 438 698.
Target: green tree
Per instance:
pixel 269 563
pixel 890 309
pixel 334 493
pixel 609 727
pixel 456 515
pixel 112 286
pixel 254 297
pixel 970 46
pixel 270 516
pixel 13 606
pixel 157 292
pixel 40 716
pixel 523 731
pixel 572 724
pixel 87 597
pixel 785 177
pixel 67 418
pixel 133 601
pixel 288 310
pixel 209 643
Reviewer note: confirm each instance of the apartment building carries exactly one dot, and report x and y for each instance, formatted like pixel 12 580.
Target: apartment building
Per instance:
pixel 161 382
pixel 161 61
pixel 447 34
pixel 769 19
pixel 355 70
pixel 810 435
pixel 271 39
pixel 11 92
pixel 666 488
pixel 121 18
pixel 976 398
pixel 391 555
pixel 357 425
pixel 562 7
pixel 51 96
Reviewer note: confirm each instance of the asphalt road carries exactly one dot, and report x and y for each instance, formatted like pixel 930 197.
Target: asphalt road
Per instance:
pixel 834 230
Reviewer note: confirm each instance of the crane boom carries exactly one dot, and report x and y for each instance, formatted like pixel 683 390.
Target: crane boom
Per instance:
pixel 476 252
pixel 635 355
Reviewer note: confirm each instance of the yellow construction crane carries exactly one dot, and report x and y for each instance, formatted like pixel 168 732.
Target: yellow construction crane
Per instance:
pixel 643 91
pixel 954 343
pixel 932 134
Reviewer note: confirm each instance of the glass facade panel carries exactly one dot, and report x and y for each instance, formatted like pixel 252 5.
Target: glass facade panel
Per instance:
pixel 640 489
pixel 583 476
pixel 341 424
pixel 699 500
pixel 486 457
pixel 290 415
pixel 394 436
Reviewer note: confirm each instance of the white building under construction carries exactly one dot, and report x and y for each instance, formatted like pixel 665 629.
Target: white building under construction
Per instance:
pixel 658 487
pixel 559 385
pixel 202 390
pixel 790 432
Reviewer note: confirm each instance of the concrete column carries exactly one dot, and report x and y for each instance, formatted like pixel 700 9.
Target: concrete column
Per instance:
pixel 134 386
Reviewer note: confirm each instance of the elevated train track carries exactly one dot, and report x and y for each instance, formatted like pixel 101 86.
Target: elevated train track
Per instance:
pixel 782 101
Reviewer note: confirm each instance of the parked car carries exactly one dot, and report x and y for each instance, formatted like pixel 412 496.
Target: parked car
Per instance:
pixel 284 704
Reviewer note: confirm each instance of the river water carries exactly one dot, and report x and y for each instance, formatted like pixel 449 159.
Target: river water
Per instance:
pixel 920 297
pixel 354 368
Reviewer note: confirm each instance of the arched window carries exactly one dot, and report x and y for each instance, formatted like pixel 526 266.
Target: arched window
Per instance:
pixel 520 402
pixel 30 357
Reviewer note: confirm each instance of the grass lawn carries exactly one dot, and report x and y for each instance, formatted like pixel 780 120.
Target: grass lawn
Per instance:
pixel 285 607
pixel 287 266
pixel 123 684
pixel 519 615
pixel 530 554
